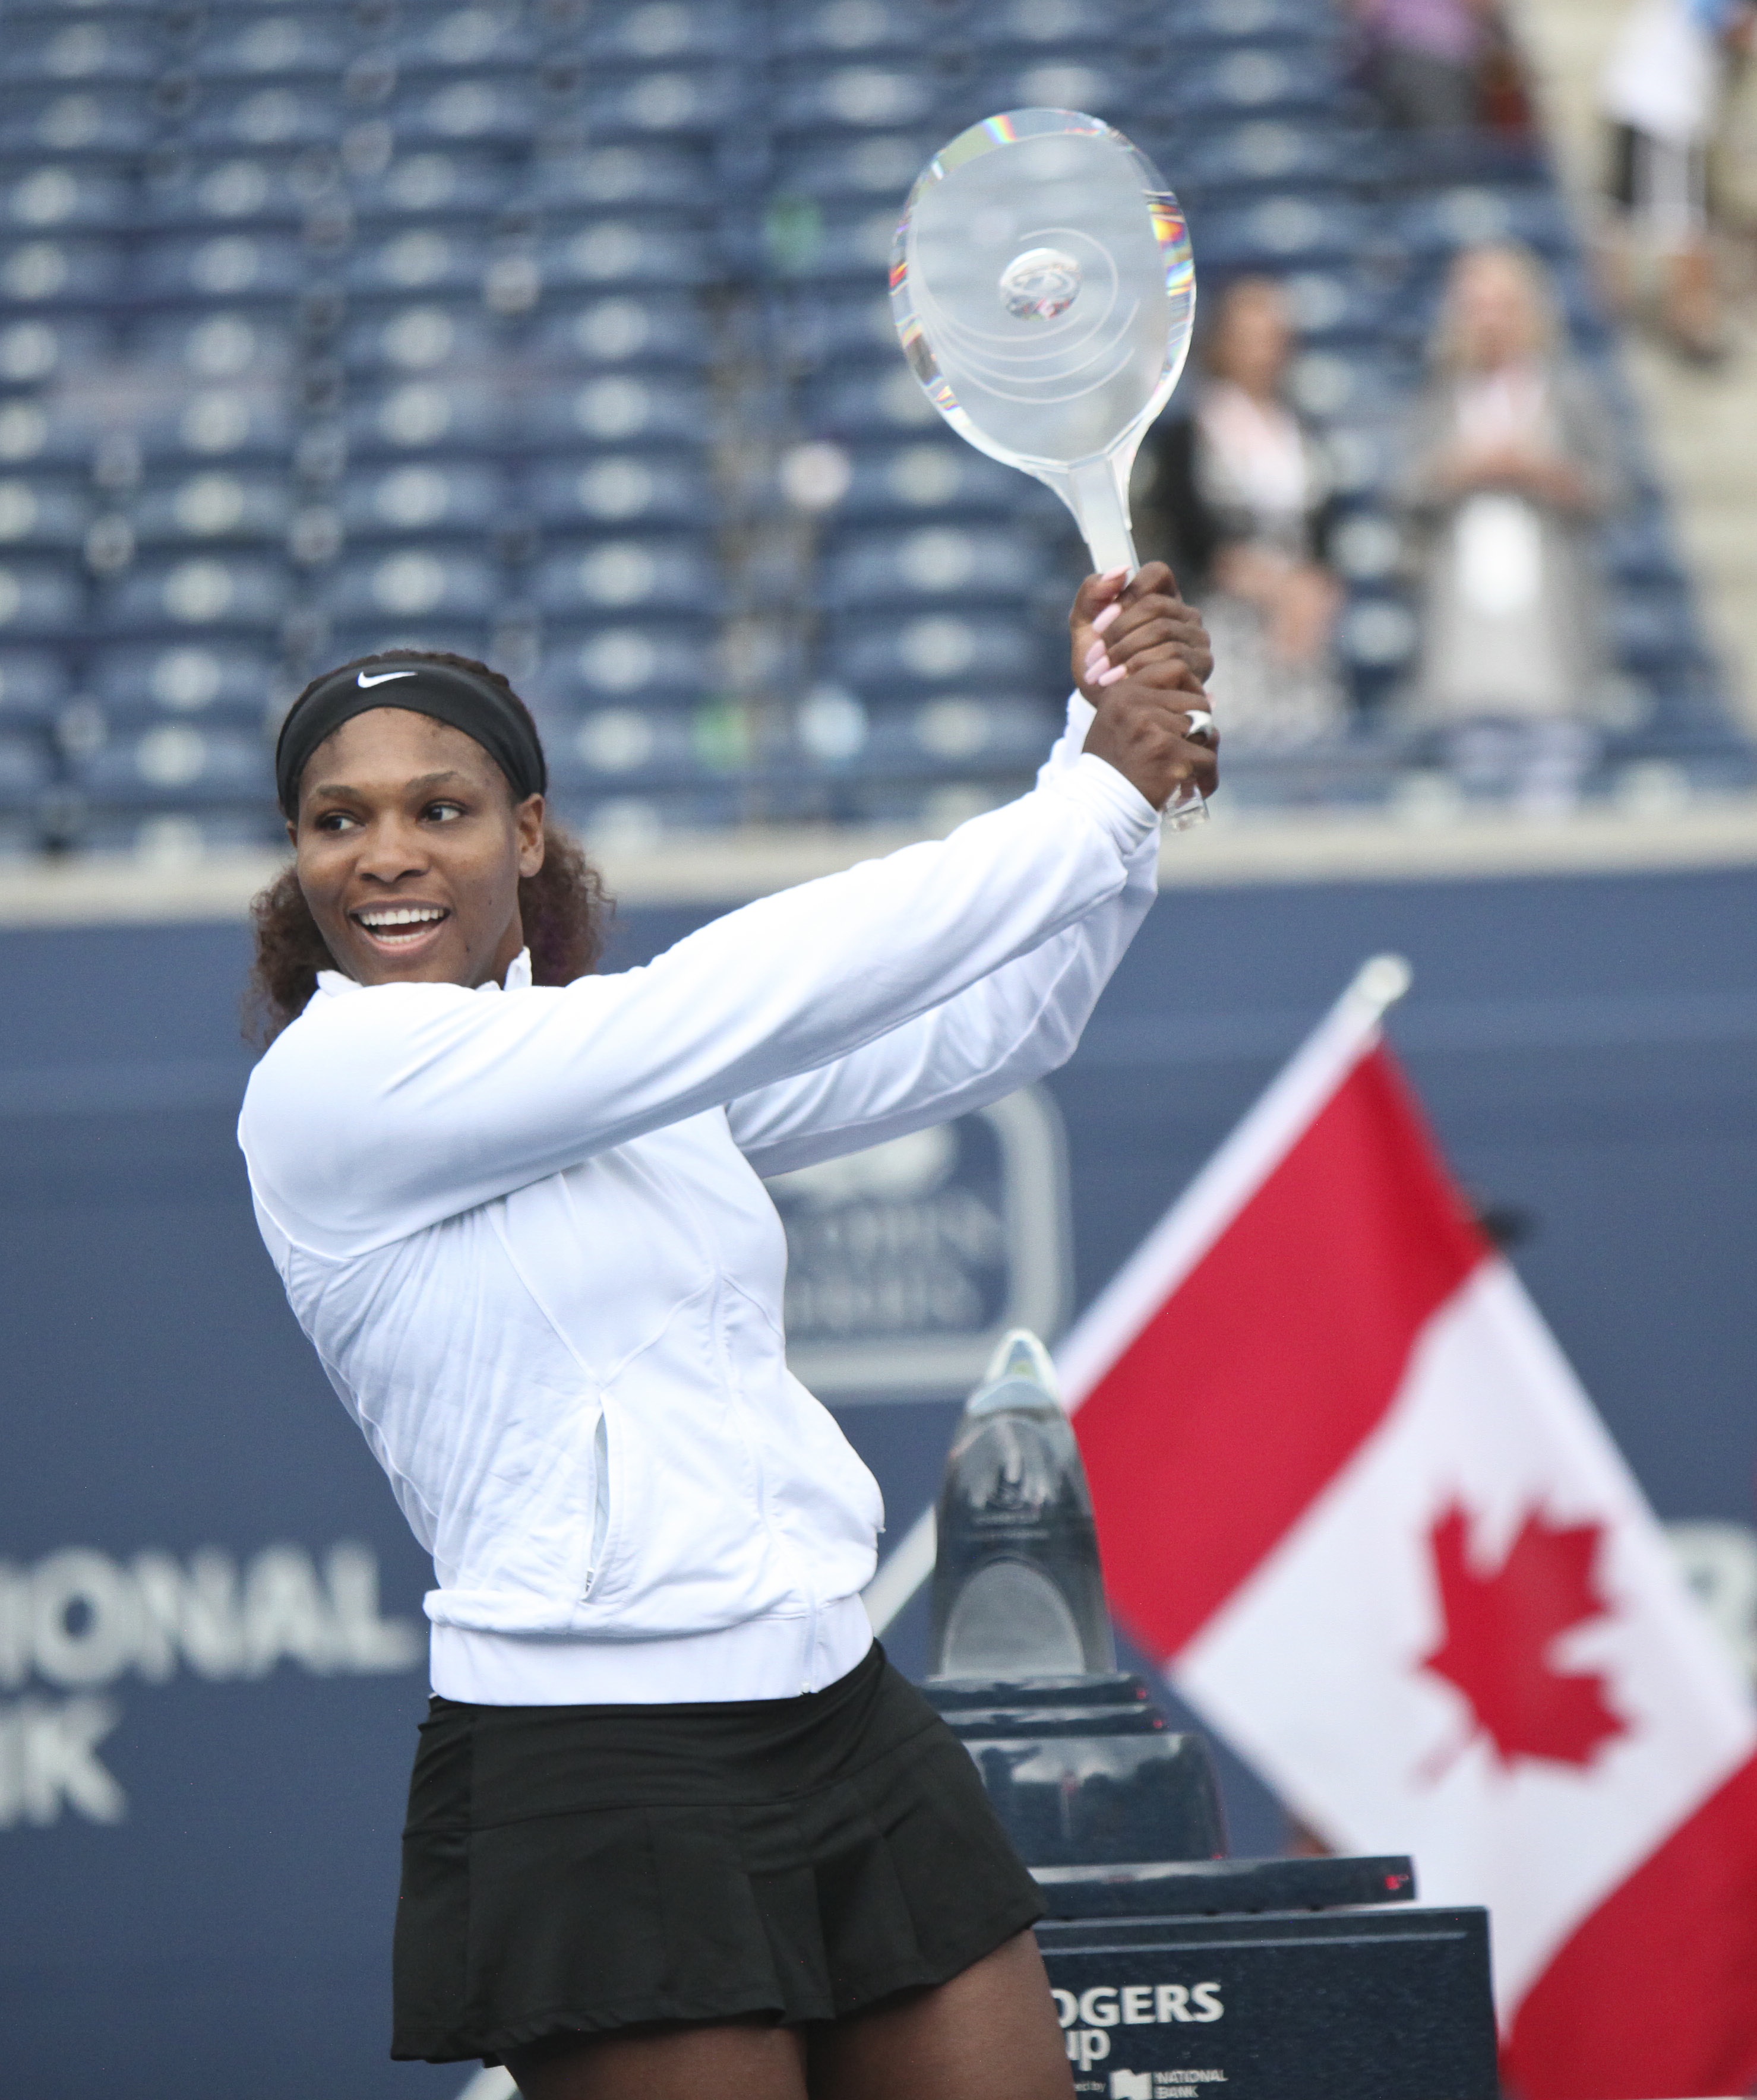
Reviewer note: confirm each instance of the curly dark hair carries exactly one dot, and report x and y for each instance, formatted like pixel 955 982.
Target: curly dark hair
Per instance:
pixel 565 910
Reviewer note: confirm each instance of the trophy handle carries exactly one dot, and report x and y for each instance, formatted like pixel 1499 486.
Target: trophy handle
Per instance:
pixel 1096 492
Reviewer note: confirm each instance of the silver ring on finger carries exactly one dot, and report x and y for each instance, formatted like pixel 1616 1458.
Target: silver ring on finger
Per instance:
pixel 1199 727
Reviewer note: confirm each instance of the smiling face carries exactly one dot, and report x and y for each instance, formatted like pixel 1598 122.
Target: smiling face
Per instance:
pixel 410 850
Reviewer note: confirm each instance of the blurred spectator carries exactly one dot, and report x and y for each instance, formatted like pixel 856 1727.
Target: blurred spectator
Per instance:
pixel 1240 506
pixel 1424 58
pixel 1510 462
pixel 1661 95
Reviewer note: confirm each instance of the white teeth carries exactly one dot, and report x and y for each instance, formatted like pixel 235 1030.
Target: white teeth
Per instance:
pixel 412 914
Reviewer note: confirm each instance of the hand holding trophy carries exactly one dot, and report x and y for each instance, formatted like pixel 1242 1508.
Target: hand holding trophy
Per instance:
pixel 1043 289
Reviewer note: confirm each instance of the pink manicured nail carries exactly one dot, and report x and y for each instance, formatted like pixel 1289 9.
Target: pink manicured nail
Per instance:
pixel 1110 678
pixel 1111 575
pixel 1097 661
pixel 1104 618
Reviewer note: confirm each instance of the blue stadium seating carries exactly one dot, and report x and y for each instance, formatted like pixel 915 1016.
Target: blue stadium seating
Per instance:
pixel 434 499
pixel 614 578
pixel 34 683
pixel 507 327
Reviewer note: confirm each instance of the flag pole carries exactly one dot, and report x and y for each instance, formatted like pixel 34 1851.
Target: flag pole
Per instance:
pixel 1192 1225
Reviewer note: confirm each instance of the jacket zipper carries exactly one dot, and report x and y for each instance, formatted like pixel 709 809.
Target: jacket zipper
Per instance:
pixel 600 1500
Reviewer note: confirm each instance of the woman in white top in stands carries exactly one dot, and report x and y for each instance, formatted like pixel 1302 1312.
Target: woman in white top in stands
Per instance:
pixel 675 1825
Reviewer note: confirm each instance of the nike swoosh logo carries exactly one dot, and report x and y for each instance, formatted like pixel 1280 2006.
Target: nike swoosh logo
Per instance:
pixel 370 679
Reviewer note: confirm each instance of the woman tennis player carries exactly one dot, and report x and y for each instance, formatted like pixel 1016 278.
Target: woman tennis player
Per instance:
pixel 676 1827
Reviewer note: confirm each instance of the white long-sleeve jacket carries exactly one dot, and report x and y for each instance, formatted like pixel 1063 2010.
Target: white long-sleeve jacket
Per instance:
pixel 524 1230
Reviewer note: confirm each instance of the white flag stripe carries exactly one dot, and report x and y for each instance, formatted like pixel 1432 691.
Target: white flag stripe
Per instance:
pixel 1313 1668
pixel 1231 1178
pixel 905 1568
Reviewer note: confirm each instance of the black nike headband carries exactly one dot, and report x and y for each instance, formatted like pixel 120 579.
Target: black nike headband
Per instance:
pixel 443 691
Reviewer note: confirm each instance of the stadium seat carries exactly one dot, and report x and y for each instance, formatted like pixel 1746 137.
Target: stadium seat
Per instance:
pixel 241 267
pixel 617 408
pixel 1303 228
pixel 58 48
pixel 34 683
pixel 615 251
pixel 239 117
pixel 646 330
pixel 45 347
pixel 885 402
pixel 43 513
pixel 244 344
pixel 837 31
pixel 1655 629
pixel 245 191
pixel 862 98
pixel 939 561
pixel 1235 159
pixel 1043 81
pixel 1464 215
pixel 200 593
pixel 683 103
pixel 204 681
pixel 418 261
pixel 47 201
pixel 617 490
pixel 961 732
pixel 412 583
pixel 1248 82
pixel 27 768
pixel 608 579
pixel 665 33
pixel 401 417
pixel 839 327
pixel 884 166
pixel 453 334
pixel 34 435
pixel 213 505
pixel 92 121
pixel 313 43
pixel 416 186
pixel 1039 25
pixel 940 477
pixel 624 665
pixel 47 272
pixel 629 749
pixel 467 498
pixel 943 649
pixel 1638 547
pixel 1236 20
pixel 220 422
pixel 471 41
pixel 470 109
pixel 600 178
pixel 848 243
pixel 179 764
pixel 39 597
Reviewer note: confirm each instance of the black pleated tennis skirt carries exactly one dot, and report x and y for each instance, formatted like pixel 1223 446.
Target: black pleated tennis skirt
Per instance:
pixel 572 1869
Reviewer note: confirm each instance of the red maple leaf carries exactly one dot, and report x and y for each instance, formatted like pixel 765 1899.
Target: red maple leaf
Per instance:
pixel 1500 1629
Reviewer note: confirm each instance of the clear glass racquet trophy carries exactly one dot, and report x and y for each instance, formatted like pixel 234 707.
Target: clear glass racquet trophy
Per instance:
pixel 1042 285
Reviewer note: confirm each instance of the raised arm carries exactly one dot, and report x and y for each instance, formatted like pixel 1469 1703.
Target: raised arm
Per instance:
pixel 1025 1019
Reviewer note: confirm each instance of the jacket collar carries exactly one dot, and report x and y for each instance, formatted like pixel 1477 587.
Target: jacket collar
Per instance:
pixel 333 983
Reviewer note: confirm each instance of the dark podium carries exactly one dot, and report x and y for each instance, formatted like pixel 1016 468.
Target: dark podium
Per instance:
pixel 1174 1968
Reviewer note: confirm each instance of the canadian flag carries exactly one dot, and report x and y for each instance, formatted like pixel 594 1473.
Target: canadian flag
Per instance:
pixel 1354 1498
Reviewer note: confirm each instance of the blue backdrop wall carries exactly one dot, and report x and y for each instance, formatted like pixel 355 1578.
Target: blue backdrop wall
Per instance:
pixel 210 1632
